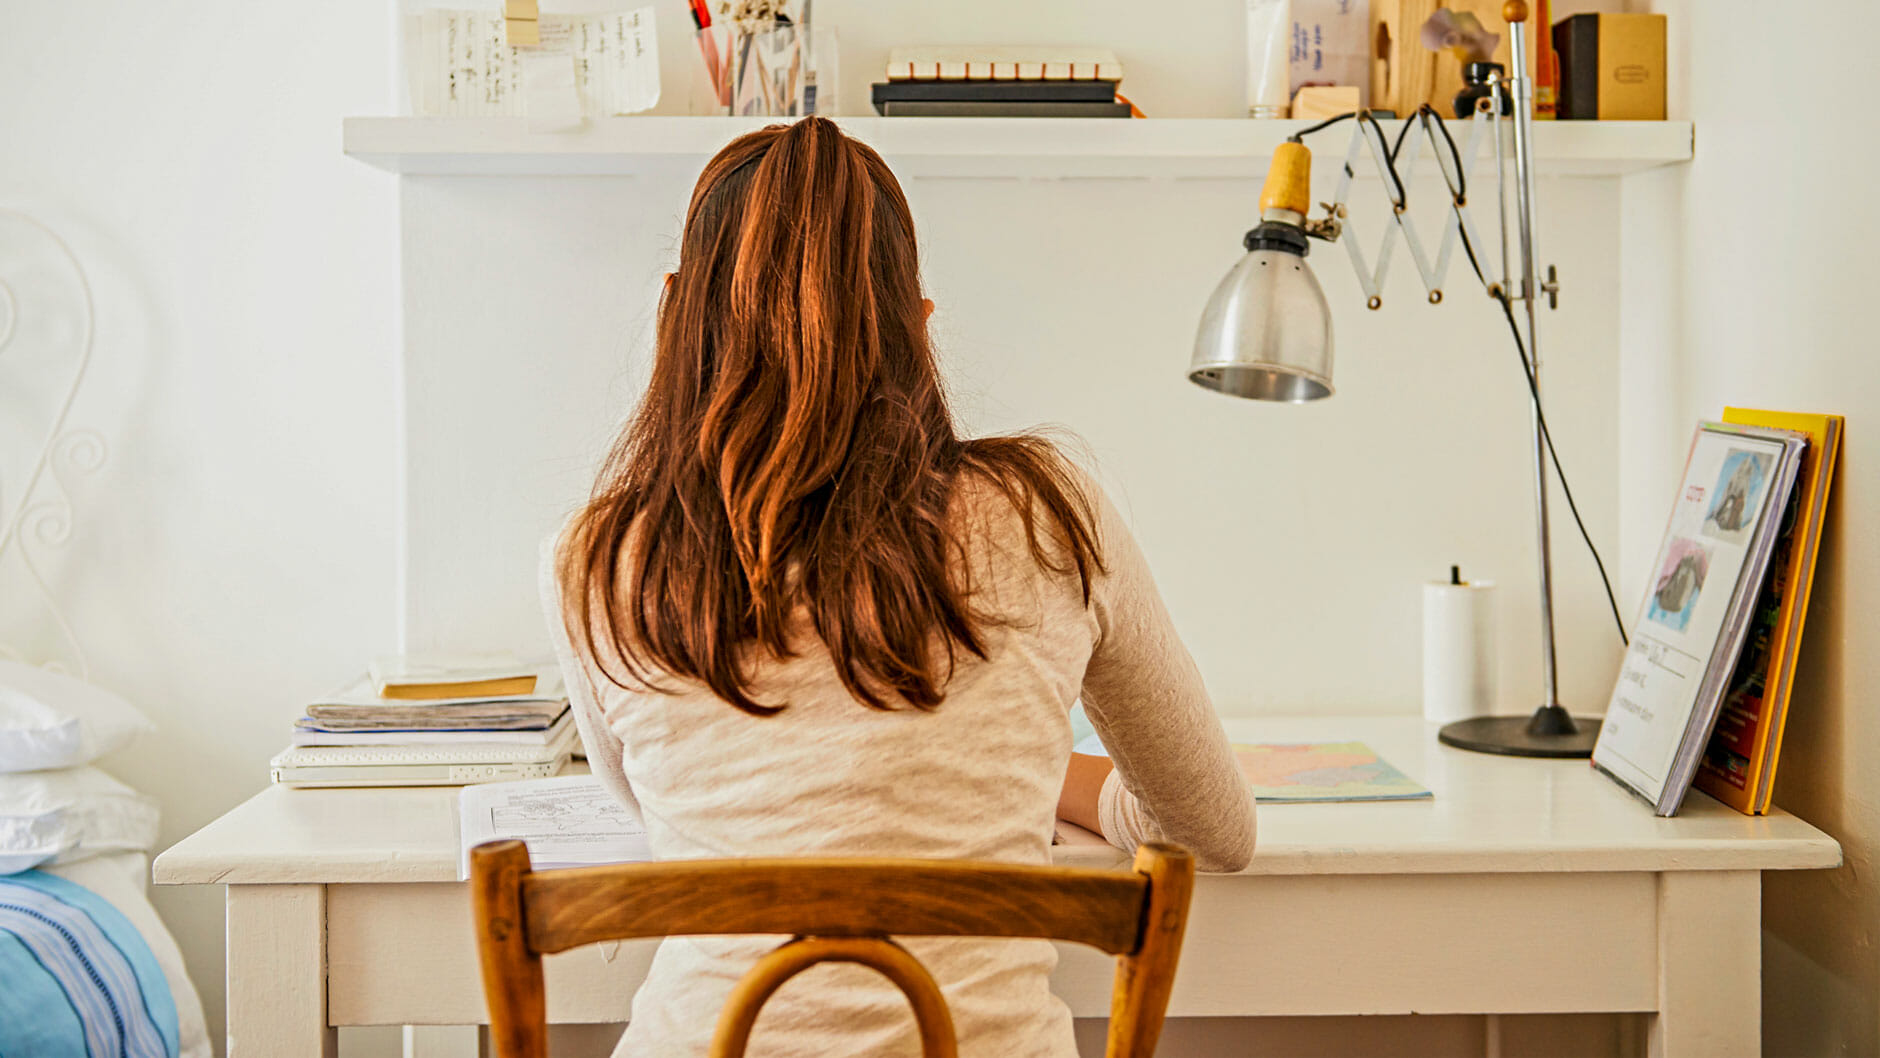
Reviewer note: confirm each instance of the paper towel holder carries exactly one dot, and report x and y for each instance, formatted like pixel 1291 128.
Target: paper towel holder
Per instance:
pixel 1543 734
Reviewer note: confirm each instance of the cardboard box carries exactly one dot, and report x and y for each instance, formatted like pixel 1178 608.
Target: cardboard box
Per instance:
pixel 1612 67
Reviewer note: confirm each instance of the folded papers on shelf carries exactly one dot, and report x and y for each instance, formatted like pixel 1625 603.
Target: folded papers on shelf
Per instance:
pixel 466 716
pixel 307 732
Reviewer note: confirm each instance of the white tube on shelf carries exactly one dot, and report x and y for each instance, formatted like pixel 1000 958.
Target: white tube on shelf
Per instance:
pixel 1269 66
pixel 1458 651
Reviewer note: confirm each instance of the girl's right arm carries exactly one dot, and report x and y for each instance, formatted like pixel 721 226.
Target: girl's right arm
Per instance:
pixel 1175 776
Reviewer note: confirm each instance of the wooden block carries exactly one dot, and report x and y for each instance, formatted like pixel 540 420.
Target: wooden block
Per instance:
pixel 1317 104
pixel 1403 70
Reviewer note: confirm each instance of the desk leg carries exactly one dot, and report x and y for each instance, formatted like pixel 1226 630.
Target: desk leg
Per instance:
pixel 277 973
pixel 1709 965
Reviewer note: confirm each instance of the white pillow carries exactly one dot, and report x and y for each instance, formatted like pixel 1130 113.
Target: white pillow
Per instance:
pixel 48 720
pixel 70 814
pixel 120 879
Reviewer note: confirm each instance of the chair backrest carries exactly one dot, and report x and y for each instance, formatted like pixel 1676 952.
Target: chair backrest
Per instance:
pixel 837 910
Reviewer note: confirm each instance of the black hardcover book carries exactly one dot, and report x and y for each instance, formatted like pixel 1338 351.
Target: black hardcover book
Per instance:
pixel 939 108
pixel 995 91
pixel 1576 39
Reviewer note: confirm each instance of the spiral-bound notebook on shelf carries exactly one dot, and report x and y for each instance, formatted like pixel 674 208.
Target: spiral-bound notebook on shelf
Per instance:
pixel 1003 62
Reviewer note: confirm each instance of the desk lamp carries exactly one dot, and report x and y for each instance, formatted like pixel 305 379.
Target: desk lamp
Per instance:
pixel 1266 333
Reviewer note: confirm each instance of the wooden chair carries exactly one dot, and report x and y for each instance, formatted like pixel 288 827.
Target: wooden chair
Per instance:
pixel 837 910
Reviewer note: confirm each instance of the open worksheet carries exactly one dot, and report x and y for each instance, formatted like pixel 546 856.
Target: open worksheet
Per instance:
pixel 567 821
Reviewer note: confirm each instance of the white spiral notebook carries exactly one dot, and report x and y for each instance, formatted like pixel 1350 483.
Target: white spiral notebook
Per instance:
pixel 422 764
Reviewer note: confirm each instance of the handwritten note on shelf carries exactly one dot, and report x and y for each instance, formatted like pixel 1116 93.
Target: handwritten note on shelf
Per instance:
pixel 567 821
pixel 464 66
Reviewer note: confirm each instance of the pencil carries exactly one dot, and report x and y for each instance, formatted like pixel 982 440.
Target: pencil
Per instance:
pixel 708 49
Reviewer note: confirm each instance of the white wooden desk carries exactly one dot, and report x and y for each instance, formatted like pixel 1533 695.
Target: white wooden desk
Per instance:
pixel 1526 886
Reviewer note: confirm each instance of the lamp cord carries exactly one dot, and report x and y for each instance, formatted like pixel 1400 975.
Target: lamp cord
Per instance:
pixel 1527 368
pixel 1527 372
pixel 1299 137
pixel 1500 294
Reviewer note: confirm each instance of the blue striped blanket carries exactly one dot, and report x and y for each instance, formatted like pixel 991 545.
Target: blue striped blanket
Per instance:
pixel 76 978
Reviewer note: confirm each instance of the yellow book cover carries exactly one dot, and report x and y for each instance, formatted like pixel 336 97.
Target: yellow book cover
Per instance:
pixel 1740 763
pixel 431 677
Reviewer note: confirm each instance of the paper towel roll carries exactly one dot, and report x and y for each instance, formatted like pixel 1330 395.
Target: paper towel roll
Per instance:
pixel 1458 650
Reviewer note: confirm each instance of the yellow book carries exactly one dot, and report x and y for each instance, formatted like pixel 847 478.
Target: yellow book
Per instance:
pixel 433 677
pixel 509 687
pixel 1739 766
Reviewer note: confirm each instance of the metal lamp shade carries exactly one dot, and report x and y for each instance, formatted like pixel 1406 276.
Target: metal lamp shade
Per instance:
pixel 1266 333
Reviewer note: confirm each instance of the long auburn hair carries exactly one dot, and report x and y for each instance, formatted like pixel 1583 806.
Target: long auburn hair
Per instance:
pixel 794 452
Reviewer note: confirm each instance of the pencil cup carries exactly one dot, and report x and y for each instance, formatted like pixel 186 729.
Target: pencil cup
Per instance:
pixel 765 68
pixel 1458 650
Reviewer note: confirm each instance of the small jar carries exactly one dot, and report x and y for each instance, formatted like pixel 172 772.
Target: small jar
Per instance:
pixel 1476 76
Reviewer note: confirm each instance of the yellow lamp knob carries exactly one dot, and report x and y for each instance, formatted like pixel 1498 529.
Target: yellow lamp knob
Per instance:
pixel 1288 180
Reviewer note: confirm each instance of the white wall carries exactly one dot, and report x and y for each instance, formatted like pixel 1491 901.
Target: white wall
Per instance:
pixel 1290 541
pixel 1755 267
pixel 236 552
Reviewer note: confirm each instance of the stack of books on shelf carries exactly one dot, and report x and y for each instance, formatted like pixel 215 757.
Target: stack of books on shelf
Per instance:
pixel 433 722
pixel 1002 82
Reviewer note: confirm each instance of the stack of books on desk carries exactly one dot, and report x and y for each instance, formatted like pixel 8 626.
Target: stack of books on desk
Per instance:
pixel 450 725
pixel 1001 82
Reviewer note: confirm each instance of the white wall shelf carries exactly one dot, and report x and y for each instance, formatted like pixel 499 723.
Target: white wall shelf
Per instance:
pixel 1193 148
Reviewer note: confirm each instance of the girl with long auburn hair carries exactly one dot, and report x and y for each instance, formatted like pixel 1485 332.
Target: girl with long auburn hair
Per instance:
pixel 801 615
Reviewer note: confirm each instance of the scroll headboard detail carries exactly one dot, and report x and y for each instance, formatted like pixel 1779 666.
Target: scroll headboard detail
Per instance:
pixel 47 326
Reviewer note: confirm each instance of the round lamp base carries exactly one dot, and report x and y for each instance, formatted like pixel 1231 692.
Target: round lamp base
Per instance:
pixel 1550 732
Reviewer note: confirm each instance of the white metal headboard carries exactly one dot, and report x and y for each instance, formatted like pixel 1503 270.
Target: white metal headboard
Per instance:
pixel 38 508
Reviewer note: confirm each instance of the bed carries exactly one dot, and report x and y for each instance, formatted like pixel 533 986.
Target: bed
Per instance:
pixel 87 968
pixel 81 970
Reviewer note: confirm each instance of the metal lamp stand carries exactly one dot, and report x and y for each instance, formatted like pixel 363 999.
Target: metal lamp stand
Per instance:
pixel 1551 731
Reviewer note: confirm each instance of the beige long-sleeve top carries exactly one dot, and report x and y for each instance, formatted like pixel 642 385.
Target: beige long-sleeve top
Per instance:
pixel 978 778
